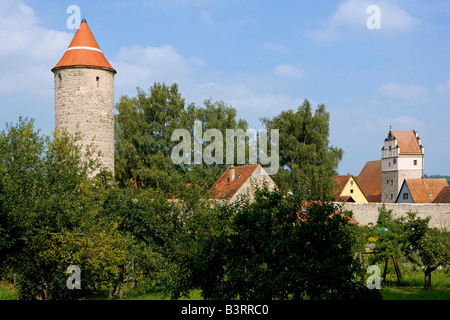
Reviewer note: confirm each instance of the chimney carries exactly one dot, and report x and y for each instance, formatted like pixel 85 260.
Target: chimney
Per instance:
pixel 232 174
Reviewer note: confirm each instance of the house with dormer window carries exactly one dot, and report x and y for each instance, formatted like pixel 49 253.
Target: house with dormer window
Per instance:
pixel 420 190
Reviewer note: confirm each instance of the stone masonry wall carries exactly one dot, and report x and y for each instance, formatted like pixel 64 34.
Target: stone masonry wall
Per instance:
pixel 85 97
pixel 366 213
pixel 388 189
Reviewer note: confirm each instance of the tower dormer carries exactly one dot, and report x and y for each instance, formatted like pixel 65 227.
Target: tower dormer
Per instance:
pixel 401 158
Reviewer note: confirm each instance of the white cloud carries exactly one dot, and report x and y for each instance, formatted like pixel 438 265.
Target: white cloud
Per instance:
pixel 176 3
pixel 443 86
pixel 139 66
pixel 351 17
pixel 28 51
pixel 401 123
pixel 288 70
pixel 244 93
pixel 197 61
pixel 402 91
pixel 275 47
pixel 206 17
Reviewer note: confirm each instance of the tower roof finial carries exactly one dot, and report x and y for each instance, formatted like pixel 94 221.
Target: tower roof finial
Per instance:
pixel 84 18
pixel 84 51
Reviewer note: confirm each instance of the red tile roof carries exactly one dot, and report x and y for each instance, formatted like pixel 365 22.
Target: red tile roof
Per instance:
pixel 223 190
pixel 443 196
pixel 407 141
pixel 369 181
pixel 345 199
pixel 84 51
pixel 425 190
pixel 303 215
pixel 341 182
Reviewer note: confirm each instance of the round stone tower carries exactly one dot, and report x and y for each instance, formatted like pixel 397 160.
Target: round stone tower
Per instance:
pixel 84 94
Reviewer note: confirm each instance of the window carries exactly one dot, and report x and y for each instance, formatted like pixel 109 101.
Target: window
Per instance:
pixel 392 182
pixel 392 196
pixel 405 196
pixel 387 181
pixel 415 162
pixel 351 182
pixel 97 80
pixel 351 190
pixel 389 164
pixel 59 80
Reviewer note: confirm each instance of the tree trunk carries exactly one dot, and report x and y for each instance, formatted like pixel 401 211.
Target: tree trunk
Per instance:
pixel 428 271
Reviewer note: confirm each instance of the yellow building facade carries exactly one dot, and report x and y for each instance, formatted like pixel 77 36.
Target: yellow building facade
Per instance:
pixel 347 190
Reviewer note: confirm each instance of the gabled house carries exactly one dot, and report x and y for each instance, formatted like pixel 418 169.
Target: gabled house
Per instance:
pixel 420 190
pixel 369 181
pixel 239 180
pixel 347 190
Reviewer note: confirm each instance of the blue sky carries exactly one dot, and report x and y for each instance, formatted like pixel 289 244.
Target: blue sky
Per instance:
pixel 258 56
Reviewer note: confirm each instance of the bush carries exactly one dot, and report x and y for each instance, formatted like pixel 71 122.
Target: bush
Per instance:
pixel 278 247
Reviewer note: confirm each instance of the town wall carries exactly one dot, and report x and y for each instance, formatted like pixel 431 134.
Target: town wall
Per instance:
pixel 366 213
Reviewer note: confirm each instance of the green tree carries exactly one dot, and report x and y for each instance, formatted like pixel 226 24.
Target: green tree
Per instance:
pixel 410 236
pixel 425 246
pixel 50 214
pixel 143 129
pixel 307 161
pixel 390 236
pixel 143 146
pixel 279 247
pixel 213 115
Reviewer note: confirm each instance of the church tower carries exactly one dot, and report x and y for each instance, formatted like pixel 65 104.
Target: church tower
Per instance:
pixel 401 158
pixel 84 94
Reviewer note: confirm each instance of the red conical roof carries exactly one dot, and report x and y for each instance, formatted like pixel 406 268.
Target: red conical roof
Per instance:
pixel 84 51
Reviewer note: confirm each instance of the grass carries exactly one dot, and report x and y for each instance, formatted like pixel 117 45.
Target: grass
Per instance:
pixel 158 295
pixel 7 291
pixel 415 293
pixel 410 287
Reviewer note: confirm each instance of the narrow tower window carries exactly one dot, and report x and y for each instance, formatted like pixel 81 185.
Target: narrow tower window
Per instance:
pixel 59 80
pixel 97 81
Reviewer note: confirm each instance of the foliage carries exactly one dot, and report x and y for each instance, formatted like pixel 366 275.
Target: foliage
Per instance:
pixel 153 224
pixel 307 161
pixel 144 125
pixel 50 214
pixel 410 236
pixel 272 249
pixel 390 236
